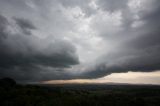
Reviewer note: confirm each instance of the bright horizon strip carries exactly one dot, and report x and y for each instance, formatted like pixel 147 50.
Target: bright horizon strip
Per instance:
pixel 128 77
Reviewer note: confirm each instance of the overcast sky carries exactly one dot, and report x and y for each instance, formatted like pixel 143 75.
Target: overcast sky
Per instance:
pixel 44 40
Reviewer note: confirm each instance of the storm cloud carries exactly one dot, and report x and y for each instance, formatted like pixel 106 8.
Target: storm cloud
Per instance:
pixel 68 39
pixel 137 48
pixel 19 52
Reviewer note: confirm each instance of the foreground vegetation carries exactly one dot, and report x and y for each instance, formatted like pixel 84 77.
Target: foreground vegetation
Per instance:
pixel 12 94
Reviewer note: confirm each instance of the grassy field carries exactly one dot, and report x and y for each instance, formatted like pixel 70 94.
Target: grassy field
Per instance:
pixel 12 94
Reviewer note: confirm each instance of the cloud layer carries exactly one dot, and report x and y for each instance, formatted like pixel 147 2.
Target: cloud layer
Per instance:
pixel 20 52
pixel 68 39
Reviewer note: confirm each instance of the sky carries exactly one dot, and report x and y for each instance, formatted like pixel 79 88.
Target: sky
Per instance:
pixel 81 41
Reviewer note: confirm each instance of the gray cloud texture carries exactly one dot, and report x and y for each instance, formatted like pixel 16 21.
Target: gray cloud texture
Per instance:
pixel 25 25
pixel 71 39
pixel 139 49
pixel 19 52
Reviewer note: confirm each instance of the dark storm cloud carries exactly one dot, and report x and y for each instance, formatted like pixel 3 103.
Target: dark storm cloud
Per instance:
pixel 138 52
pixel 25 25
pixel 34 74
pixel 135 46
pixel 20 54
pixel 138 61
pixel 3 24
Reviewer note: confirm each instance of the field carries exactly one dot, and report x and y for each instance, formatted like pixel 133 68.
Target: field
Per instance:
pixel 12 94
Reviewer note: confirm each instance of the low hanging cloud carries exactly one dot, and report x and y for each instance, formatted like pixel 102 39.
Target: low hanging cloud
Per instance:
pixel 19 52
pixel 63 39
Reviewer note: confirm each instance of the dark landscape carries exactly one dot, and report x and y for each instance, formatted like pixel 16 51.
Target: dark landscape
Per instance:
pixel 12 94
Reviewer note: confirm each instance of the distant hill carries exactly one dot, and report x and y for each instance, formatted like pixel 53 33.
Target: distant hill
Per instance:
pixel 7 82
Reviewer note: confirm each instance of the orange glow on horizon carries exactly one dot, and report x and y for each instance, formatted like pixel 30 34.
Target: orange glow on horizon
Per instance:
pixel 78 81
pixel 129 77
